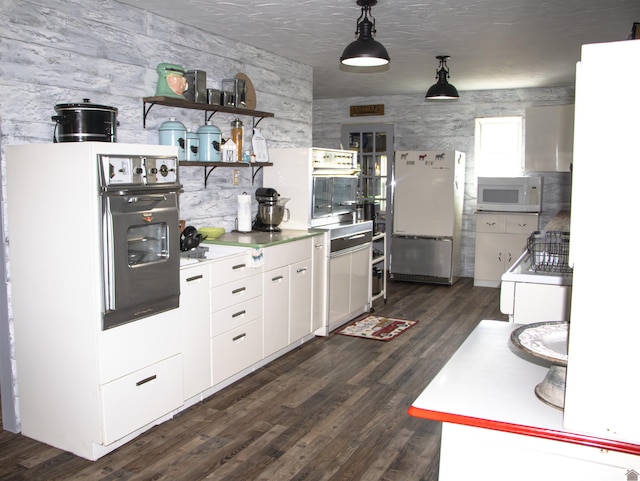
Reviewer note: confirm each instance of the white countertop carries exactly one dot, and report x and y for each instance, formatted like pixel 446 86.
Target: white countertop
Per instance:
pixel 489 383
pixel 489 378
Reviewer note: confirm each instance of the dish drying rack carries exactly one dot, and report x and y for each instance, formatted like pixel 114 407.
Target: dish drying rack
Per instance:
pixel 549 251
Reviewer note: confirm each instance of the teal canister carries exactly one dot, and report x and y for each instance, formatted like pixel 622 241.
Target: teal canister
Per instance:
pixel 173 132
pixel 192 145
pixel 209 139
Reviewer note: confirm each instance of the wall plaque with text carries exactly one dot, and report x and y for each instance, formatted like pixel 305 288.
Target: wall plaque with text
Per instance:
pixel 362 110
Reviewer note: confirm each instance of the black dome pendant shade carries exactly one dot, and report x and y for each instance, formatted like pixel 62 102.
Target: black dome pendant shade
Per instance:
pixel 365 51
pixel 442 89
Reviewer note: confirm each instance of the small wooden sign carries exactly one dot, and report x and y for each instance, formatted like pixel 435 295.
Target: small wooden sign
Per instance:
pixel 362 110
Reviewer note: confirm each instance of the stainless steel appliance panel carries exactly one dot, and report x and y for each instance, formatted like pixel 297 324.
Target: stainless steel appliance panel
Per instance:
pixel 423 259
pixel 141 255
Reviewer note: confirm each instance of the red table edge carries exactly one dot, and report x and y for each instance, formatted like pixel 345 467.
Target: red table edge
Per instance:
pixel 563 436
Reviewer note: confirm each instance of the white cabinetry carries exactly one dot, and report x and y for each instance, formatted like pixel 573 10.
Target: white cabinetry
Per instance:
pixel 287 298
pixel 194 319
pixel 549 138
pixel 319 319
pixel 236 316
pixel 500 240
pixel 349 285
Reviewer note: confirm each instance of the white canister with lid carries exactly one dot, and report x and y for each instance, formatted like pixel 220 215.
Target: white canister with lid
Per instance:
pixel 209 139
pixel 173 132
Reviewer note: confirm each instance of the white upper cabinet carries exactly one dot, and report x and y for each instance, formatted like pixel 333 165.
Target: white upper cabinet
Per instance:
pixel 549 138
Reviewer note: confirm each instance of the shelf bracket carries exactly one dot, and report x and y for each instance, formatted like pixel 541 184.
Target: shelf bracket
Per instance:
pixel 145 112
pixel 207 119
pixel 254 173
pixel 207 174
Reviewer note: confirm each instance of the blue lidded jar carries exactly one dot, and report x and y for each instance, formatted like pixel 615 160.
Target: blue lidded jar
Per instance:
pixel 209 139
pixel 173 132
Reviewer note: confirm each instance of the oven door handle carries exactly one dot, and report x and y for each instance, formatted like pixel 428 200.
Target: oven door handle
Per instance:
pixel 147 198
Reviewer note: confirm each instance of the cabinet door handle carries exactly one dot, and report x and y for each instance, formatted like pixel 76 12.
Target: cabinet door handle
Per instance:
pixel 509 257
pixel 194 278
pixel 522 225
pixel 239 266
pixel 318 246
pixel 500 256
pixel 277 278
pixel 146 380
pixel 241 313
pixel 302 270
pixel 238 290
pixel 357 236
pixel 490 223
pixel 240 336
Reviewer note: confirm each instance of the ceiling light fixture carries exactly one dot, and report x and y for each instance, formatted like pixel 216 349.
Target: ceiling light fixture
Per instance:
pixel 442 89
pixel 365 51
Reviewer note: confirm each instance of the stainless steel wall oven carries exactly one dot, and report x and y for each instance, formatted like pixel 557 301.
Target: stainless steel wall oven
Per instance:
pixel 140 236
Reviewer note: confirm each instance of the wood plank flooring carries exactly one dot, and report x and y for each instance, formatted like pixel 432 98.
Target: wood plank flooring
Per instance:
pixel 333 409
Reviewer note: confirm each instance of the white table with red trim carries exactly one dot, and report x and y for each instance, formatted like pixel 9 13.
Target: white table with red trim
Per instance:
pixel 495 427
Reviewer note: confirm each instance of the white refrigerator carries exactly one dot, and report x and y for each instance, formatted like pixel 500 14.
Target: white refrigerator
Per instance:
pixel 428 193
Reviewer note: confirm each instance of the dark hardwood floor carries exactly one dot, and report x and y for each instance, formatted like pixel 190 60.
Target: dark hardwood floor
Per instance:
pixel 333 409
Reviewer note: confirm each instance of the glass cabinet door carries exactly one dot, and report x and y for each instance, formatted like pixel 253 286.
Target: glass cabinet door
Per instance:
pixel 374 144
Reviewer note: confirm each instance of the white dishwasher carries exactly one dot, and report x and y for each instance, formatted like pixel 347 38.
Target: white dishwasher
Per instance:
pixel 349 272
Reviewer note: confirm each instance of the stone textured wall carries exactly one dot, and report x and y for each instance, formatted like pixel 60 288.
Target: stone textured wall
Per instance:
pixel 64 52
pixel 433 125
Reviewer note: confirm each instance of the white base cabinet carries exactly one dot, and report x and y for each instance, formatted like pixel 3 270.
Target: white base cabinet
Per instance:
pixel 349 285
pixel 287 297
pixel 194 320
pixel 236 316
pixel 500 239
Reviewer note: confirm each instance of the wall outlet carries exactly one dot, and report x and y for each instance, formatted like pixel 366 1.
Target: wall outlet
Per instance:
pixel 236 177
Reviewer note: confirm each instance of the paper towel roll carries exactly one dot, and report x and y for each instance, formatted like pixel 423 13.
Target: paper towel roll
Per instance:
pixel 244 213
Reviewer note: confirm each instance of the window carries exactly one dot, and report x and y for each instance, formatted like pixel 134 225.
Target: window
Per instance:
pixel 498 149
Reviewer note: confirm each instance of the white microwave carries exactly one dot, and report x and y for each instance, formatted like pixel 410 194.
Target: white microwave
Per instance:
pixel 510 194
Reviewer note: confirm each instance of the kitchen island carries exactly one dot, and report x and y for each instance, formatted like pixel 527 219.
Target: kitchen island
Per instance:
pixel 494 426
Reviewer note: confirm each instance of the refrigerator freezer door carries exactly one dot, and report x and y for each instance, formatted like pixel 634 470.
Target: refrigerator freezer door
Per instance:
pixel 425 188
pixel 422 259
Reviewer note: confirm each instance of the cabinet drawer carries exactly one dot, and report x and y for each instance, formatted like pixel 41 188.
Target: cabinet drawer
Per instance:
pixel 236 315
pixel 236 350
pixel 521 224
pixel 232 268
pixel 490 223
pixel 285 254
pixel 126 349
pixel 141 397
pixel 235 292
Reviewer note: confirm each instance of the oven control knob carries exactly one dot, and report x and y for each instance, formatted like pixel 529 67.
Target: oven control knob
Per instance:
pixel 139 170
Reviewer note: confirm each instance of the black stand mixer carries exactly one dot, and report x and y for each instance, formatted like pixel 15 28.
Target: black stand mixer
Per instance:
pixel 271 210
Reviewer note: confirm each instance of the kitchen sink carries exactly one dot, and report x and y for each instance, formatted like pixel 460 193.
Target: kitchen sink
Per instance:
pixel 209 252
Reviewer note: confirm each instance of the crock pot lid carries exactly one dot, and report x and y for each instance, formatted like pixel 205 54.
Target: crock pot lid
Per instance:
pixel 85 105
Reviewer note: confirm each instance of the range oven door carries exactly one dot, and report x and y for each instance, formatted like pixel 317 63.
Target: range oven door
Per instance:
pixel 141 249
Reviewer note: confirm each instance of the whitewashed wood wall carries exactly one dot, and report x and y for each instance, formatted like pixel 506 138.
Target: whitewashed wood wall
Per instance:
pixel 421 125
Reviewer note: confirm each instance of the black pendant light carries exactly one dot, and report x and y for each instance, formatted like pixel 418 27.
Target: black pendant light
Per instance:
pixel 442 89
pixel 365 51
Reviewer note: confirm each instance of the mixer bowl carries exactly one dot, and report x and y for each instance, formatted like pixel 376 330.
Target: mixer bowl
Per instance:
pixel 272 215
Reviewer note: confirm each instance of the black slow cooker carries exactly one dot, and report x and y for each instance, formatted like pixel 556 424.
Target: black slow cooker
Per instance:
pixel 85 122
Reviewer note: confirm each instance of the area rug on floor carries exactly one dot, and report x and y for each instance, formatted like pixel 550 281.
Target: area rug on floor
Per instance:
pixel 379 328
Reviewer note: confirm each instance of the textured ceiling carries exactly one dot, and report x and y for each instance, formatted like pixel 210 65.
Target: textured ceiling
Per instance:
pixel 493 44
